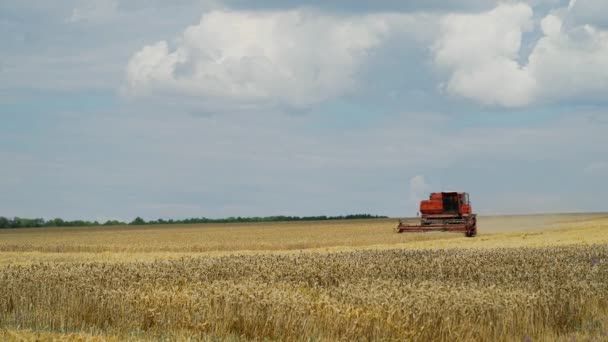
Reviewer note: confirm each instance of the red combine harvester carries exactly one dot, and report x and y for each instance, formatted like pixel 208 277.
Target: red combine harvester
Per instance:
pixel 444 212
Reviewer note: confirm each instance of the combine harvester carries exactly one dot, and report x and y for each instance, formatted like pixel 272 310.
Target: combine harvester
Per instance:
pixel 444 212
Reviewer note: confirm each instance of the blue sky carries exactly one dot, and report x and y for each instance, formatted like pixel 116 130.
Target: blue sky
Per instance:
pixel 116 109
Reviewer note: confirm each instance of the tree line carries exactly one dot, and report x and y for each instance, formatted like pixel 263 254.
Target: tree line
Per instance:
pixel 19 222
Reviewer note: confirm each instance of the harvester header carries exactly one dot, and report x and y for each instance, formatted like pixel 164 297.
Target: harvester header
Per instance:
pixel 444 212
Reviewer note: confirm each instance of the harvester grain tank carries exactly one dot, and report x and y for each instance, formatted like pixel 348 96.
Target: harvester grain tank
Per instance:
pixel 444 212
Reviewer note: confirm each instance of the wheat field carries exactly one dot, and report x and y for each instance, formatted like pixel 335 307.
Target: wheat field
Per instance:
pixel 525 278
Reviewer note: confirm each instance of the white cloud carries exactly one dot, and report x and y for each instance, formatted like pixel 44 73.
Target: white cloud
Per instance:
pixel 292 57
pixel 298 58
pixel 481 53
pixel 463 42
pixel 551 25
pixel 570 62
pixel 153 63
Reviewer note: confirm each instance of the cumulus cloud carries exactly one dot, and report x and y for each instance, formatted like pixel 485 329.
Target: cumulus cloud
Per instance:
pixel 481 53
pixel 298 58
pixel 570 61
pixel 293 58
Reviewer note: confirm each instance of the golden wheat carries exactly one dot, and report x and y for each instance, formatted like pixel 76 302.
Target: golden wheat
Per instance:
pixel 217 238
pixel 496 294
pixel 404 291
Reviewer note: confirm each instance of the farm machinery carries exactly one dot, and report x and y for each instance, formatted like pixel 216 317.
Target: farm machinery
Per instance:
pixel 444 212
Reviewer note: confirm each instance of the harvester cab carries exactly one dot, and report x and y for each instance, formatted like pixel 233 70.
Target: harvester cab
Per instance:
pixel 444 212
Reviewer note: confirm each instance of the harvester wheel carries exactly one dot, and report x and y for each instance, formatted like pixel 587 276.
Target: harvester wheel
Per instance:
pixel 471 233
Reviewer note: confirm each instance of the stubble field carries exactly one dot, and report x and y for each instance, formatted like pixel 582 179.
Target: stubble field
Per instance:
pixel 536 278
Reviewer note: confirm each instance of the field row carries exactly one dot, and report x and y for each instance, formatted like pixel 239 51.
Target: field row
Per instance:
pixel 533 231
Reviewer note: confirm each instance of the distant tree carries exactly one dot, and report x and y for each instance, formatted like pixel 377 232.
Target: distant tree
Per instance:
pixel 138 221
pixel 58 222
pixel 18 222
pixel 113 223
pixel 4 222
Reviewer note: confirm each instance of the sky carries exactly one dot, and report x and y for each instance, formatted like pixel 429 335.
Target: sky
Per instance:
pixel 112 109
